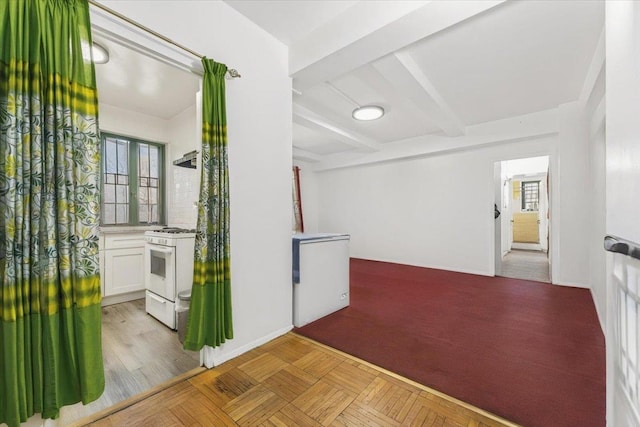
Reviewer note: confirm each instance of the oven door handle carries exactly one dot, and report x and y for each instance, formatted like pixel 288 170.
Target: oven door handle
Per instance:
pixel 161 249
pixel 160 300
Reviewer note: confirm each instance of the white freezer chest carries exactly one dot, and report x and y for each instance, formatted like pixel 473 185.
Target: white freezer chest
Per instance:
pixel 320 276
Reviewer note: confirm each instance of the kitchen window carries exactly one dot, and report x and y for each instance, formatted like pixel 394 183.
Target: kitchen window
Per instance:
pixel 132 181
pixel 530 195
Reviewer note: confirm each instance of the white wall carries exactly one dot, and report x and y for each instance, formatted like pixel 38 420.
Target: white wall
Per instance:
pixel 572 205
pixel 595 111
pixel 622 173
pixel 433 212
pixel 438 211
pixel 259 131
pixel 130 123
pixel 530 165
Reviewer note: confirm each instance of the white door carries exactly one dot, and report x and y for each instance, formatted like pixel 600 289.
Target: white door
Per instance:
pixel 623 351
pixel 622 209
pixel 497 222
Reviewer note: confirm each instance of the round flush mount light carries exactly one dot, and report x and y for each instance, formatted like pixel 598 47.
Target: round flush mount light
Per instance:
pixel 99 53
pixel 368 112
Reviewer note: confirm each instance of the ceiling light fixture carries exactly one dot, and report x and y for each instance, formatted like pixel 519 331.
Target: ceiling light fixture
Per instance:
pixel 368 112
pixel 362 112
pixel 99 53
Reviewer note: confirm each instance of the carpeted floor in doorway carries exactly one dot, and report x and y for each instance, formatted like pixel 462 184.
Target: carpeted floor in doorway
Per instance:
pixel 533 354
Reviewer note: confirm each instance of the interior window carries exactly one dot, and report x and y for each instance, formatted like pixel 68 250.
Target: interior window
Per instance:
pixel 132 181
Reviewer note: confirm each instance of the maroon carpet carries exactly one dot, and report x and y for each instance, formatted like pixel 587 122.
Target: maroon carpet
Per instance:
pixel 530 352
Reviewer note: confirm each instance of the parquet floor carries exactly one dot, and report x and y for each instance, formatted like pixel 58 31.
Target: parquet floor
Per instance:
pixel 293 381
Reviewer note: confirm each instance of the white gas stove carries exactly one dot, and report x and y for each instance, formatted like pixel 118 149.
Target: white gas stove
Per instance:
pixel 168 270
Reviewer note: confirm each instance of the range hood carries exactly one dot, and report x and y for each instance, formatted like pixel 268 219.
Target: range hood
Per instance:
pixel 189 160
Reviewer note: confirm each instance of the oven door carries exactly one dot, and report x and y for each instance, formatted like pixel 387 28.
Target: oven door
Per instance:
pixel 160 270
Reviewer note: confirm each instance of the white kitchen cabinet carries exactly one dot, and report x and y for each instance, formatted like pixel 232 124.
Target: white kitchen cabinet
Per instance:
pixel 123 271
pixel 122 266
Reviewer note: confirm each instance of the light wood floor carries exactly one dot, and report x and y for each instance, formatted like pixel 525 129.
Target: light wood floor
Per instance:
pixel 526 265
pixel 139 353
pixel 293 381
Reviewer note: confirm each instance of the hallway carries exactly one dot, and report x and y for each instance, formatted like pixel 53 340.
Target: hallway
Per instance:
pixel 526 265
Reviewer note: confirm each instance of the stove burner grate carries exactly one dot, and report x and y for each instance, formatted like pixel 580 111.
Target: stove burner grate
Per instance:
pixel 175 230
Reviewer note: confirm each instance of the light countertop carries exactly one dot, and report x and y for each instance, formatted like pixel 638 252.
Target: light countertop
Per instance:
pixel 121 229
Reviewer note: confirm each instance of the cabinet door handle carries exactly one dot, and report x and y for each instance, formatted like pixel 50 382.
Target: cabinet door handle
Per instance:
pixel 160 300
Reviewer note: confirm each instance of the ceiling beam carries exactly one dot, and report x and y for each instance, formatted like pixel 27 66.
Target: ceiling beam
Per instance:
pixel 376 81
pixel 407 77
pixel 534 126
pixel 595 68
pixel 305 155
pixel 370 30
pixel 311 120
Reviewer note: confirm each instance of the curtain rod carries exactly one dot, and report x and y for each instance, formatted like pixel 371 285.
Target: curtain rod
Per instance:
pixel 232 71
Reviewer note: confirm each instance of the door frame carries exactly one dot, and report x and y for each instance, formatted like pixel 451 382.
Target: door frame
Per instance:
pixel 105 25
pixel 552 223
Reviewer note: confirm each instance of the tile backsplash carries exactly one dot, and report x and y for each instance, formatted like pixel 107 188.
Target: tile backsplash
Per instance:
pixel 183 199
pixel 183 184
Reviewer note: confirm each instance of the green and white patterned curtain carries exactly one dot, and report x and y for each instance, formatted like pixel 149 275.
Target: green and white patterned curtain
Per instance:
pixel 210 319
pixel 50 332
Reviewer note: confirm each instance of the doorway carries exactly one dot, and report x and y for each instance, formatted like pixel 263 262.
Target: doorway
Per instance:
pixel 143 95
pixel 522 227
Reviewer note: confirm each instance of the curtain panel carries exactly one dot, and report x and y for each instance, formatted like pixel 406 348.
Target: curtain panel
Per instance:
pixel 50 331
pixel 210 318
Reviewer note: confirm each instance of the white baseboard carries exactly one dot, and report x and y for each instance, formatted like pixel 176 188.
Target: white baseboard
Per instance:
pixel 117 299
pixel 572 284
pixel 211 356
pixel 434 267
pixel 527 246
